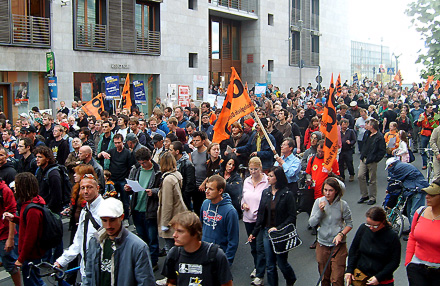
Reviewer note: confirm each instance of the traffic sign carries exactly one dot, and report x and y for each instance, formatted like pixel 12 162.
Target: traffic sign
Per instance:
pixel 390 71
pixel 318 79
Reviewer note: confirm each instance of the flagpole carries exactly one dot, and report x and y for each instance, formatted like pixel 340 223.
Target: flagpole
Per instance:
pixel 265 133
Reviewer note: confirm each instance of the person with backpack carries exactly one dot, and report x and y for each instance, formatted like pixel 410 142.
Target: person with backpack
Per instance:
pixel 89 223
pixel 193 261
pixel 30 227
pixel 116 256
pixel 27 162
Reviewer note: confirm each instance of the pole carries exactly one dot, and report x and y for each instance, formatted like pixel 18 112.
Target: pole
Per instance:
pixel 265 133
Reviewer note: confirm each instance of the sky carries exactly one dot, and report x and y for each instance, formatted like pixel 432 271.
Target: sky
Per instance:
pixel 375 19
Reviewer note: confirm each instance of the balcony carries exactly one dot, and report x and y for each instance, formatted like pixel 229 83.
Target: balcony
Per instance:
pixel 26 31
pixel 94 37
pixel 235 9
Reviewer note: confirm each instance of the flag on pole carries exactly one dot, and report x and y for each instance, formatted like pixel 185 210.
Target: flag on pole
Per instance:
pixel 398 78
pixel 437 86
pixel 428 82
pixel 126 96
pixel 338 86
pixel 94 107
pixel 330 129
pixel 236 105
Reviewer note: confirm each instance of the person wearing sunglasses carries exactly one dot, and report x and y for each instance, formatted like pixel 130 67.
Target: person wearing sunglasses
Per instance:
pixel 374 253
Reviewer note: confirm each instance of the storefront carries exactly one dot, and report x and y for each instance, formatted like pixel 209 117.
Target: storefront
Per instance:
pixel 20 91
pixel 88 85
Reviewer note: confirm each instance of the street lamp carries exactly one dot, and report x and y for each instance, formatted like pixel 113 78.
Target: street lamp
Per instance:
pixel 300 25
pixel 397 61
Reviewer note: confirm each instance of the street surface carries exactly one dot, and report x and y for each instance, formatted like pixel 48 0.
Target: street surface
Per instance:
pixel 302 258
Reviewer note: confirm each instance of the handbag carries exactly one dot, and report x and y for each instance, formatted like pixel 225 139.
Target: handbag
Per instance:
pixel 284 239
pixel 360 279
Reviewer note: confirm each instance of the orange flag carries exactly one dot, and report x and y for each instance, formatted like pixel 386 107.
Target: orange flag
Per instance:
pixel 325 112
pixel 437 86
pixel 398 78
pixel 428 82
pixel 126 97
pixel 338 86
pixel 331 129
pixel 236 105
pixel 94 107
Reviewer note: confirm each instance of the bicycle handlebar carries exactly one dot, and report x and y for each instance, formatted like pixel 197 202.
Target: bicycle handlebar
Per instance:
pixel 47 269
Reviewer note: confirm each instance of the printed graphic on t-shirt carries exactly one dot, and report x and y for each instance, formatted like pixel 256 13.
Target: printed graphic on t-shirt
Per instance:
pixel 210 217
pixel 186 268
pixel 106 265
pixel 195 281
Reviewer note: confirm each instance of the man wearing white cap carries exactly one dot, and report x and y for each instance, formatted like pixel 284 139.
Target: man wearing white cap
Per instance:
pixel 116 256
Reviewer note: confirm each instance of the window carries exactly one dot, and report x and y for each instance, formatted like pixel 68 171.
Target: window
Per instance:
pixel 215 40
pixel 315 44
pixel 315 7
pixel 193 60
pixel 270 65
pixel 295 40
pixel 270 19
pixel 192 4
pixel 296 4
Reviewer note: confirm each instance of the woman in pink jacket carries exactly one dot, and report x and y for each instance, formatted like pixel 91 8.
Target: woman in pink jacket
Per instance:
pixel 253 187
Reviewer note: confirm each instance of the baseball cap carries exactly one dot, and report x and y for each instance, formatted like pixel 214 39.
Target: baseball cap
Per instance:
pixel 353 103
pixel 28 129
pixel 111 207
pixel 157 138
pixel 433 189
pixel 390 161
pixel 25 115
pixel 130 137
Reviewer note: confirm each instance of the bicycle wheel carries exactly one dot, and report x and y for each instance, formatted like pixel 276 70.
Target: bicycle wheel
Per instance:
pixel 395 217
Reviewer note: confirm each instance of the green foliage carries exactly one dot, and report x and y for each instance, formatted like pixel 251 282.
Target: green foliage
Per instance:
pixel 426 19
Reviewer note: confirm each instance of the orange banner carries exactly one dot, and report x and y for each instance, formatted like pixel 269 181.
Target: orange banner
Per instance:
pixel 428 82
pixel 437 86
pixel 338 86
pixel 331 129
pixel 398 78
pixel 126 96
pixel 236 105
pixel 94 107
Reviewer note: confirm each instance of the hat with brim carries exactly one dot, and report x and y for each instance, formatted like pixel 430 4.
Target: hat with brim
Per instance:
pixel 432 190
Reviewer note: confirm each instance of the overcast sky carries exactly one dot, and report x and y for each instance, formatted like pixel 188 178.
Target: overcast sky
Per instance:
pixel 373 19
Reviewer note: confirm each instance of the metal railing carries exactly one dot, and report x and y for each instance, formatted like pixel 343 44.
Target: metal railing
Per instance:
pixel 30 31
pixel 148 42
pixel 249 6
pixel 91 36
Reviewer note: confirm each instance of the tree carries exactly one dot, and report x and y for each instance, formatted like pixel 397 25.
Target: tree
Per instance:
pixel 425 18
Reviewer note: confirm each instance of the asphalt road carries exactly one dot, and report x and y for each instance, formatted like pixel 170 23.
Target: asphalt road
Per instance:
pixel 302 258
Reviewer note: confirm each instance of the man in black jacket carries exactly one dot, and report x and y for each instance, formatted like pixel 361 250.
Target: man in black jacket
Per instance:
pixel 27 162
pixel 348 139
pixel 373 150
pixel 188 171
pixel 144 205
pixel 7 172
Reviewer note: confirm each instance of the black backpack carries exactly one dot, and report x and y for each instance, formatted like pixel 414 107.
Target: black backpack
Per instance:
pixel 52 226
pixel 65 182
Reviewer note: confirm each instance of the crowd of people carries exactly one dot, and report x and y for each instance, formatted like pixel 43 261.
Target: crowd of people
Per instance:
pixel 163 174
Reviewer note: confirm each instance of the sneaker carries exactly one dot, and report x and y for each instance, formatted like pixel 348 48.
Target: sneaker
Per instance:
pixel 162 282
pixel 313 246
pixel 257 281
pixel 363 200
pixel 371 202
pixel 125 223
pixel 254 273
pixel 351 179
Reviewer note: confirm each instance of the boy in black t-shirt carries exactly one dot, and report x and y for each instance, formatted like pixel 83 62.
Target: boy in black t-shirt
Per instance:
pixel 191 261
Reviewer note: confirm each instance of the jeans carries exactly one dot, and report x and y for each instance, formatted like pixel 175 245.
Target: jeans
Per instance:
pixel 125 198
pixel 424 142
pixel 8 258
pixel 420 275
pixel 415 202
pixel 271 263
pixel 30 278
pixel 346 158
pixel 147 231
pixel 169 243
pixel 416 137
pixel 360 145
pixel 257 250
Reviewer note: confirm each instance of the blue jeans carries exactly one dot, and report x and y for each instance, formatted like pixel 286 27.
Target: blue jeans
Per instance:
pixel 424 142
pixel 9 258
pixel 125 198
pixel 257 250
pixel 271 263
pixel 33 279
pixel 415 202
pixel 147 230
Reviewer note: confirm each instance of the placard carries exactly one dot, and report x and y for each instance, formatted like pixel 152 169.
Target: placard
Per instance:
pixel 260 88
pixel 53 89
pixel 183 95
pixel 20 92
pixel 112 88
pixel 139 92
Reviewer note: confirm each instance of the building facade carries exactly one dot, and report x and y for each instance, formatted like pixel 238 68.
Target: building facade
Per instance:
pixel 367 60
pixel 163 43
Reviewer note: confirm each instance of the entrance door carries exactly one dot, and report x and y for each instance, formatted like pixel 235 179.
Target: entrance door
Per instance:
pixel 4 99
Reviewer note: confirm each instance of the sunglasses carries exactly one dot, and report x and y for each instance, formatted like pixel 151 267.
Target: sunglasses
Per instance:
pixel 373 226
pixel 88 176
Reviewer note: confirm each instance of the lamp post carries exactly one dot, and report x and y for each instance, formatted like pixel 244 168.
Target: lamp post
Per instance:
pixel 397 61
pixel 300 25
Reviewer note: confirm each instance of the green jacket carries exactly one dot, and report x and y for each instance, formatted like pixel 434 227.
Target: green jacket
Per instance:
pixel 110 146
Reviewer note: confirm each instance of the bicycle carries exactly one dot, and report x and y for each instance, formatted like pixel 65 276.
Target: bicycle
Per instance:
pixel 430 165
pixel 395 205
pixel 49 270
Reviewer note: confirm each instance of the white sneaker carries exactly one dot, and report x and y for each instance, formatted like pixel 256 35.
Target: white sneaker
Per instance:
pixel 254 273
pixel 257 281
pixel 162 282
